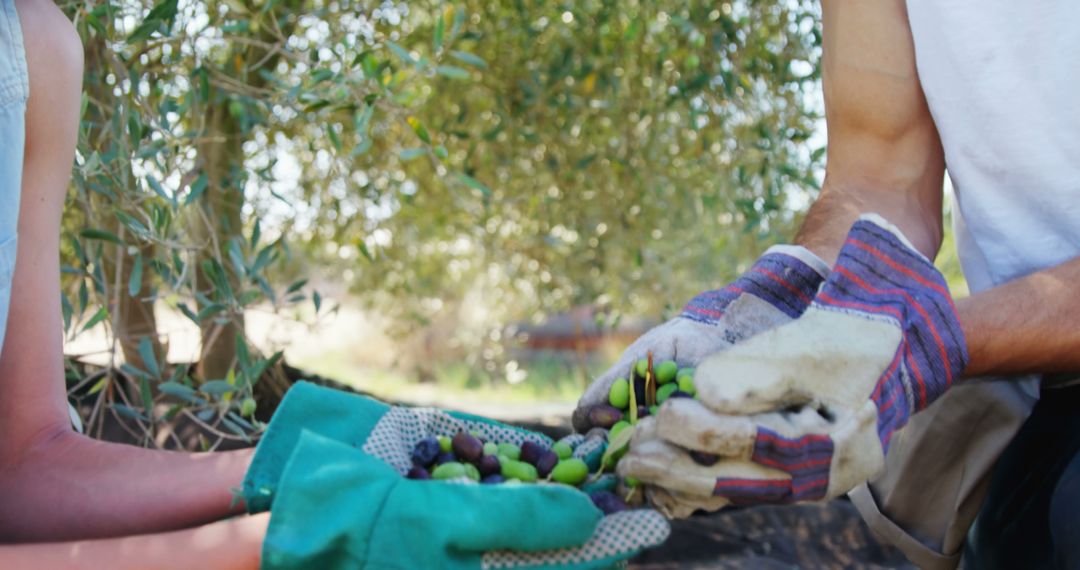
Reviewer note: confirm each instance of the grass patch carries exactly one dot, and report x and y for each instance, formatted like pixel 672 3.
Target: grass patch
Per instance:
pixel 543 380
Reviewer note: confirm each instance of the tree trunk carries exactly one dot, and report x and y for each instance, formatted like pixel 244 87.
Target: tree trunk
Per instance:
pixel 134 318
pixel 222 154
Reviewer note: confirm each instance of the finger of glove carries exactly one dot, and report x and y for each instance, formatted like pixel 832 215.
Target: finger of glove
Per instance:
pixel 749 483
pixel 515 517
pixel 752 377
pixel 652 460
pixel 746 316
pixel 618 537
pixel 675 505
pixel 655 461
pixel 753 483
pixel 792 441
pixel 689 424
pixel 663 465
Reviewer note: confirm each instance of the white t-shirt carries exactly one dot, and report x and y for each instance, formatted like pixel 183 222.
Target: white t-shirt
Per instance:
pixel 1002 78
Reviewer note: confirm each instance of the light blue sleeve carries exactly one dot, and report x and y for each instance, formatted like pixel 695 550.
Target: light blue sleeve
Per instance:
pixel 14 90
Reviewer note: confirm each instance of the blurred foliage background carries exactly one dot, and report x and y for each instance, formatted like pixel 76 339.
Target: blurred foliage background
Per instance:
pixel 455 172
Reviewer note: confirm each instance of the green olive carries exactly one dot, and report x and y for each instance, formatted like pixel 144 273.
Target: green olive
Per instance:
pixel 619 395
pixel 663 392
pixel 570 471
pixel 518 470
pixel 451 470
pixel 472 472
pixel 666 371
pixel 562 449
pixel 615 429
pixel 509 451
pixel 491 449
pixel 686 384
pixel 642 367
pixel 446 445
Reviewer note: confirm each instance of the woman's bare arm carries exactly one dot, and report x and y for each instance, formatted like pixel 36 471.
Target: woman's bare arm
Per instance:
pixel 233 544
pixel 54 483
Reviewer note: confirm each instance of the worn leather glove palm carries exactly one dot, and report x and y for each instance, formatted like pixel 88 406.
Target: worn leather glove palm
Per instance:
pixel 806 411
pixel 776 289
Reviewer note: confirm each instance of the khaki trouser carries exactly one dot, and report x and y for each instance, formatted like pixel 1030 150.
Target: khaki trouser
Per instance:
pixel 938 468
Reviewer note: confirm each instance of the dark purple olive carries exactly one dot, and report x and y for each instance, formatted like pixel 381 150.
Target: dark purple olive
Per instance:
pixel 417 472
pixel 642 411
pixel 679 394
pixel 489 465
pixel 546 463
pixel 493 479
pixel 447 457
pixel 702 458
pixel 639 390
pixel 426 451
pixel 531 452
pixel 467 447
pixel 608 502
pixel 604 416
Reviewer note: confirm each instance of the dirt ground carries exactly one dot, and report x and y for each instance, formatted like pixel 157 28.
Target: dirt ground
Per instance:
pixel 823 536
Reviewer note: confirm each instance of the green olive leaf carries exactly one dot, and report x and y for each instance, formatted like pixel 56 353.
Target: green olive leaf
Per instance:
pixel 617 447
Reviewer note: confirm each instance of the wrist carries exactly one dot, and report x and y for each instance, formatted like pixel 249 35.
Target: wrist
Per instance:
pixel 839 206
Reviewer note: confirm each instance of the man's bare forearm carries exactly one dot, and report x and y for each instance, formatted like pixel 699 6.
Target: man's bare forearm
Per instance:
pixel 234 544
pixel 70 487
pixel 884 154
pixel 1026 325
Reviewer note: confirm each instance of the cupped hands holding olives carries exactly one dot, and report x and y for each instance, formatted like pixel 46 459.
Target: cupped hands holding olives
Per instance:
pixel 344 477
pixel 659 366
pixel 775 290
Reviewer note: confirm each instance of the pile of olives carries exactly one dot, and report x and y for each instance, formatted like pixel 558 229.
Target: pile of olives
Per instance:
pixel 469 455
pixel 646 389
pixel 641 395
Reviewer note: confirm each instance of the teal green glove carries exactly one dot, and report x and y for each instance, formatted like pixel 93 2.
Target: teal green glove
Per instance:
pixel 330 502
pixel 339 415
pixel 338 508
pixel 351 418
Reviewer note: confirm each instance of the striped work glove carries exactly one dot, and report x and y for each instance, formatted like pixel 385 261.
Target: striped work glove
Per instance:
pixel 806 411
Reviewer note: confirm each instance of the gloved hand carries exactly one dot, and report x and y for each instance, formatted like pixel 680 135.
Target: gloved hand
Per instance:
pixel 337 506
pixel 776 289
pixel 806 411
pixel 336 414
pixel 351 419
